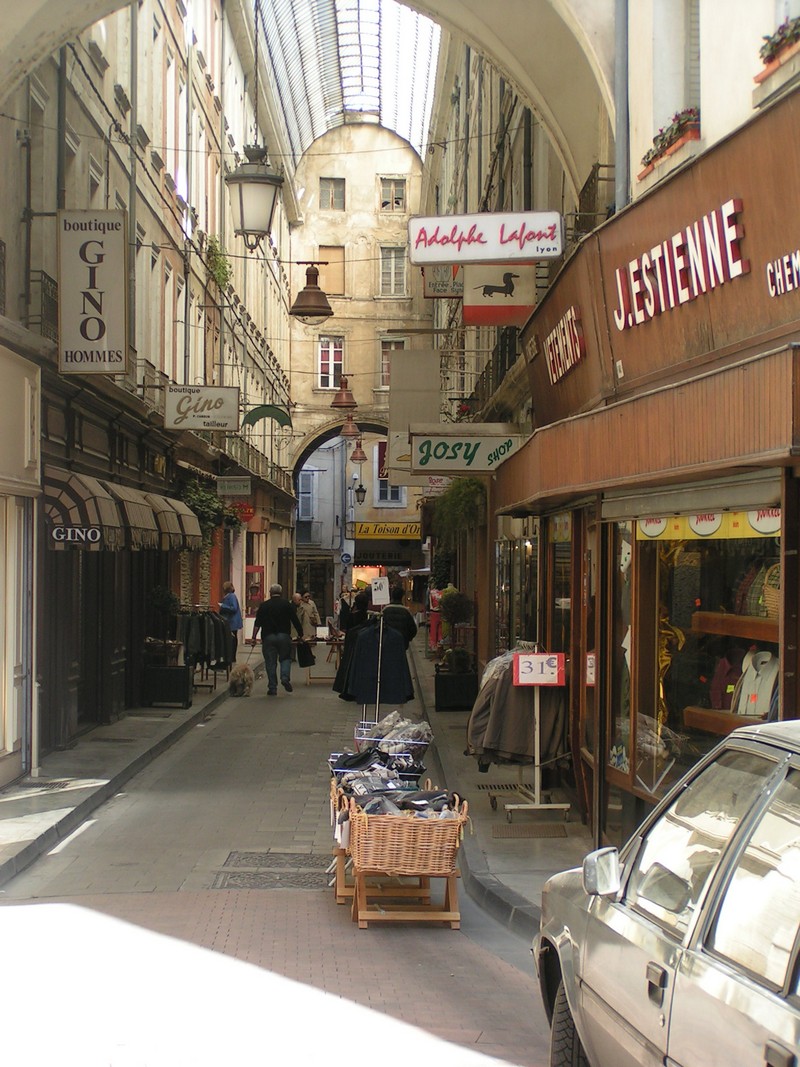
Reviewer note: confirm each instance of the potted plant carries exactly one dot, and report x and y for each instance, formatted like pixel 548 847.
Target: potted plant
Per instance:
pixel 779 46
pixel 683 126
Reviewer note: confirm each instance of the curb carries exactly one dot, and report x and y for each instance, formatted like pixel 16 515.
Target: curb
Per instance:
pixel 505 905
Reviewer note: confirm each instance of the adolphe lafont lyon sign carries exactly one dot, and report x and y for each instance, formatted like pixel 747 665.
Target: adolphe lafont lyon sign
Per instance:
pixel 488 237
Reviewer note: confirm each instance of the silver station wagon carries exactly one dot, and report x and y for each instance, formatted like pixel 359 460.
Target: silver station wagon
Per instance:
pixel 685 948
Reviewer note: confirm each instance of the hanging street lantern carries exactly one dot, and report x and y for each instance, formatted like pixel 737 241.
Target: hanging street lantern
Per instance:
pixel 311 304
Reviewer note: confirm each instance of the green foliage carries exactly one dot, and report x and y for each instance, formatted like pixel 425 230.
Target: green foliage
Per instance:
pixel 455 607
pixel 457 661
pixel 669 134
pixel 461 506
pixel 211 512
pixel 442 567
pixel 163 600
pixel 787 33
pixel 217 263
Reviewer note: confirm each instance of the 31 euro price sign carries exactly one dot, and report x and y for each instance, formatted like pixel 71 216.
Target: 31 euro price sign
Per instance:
pixel 539 668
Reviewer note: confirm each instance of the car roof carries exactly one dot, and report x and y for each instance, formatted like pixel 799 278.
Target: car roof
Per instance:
pixel 785 734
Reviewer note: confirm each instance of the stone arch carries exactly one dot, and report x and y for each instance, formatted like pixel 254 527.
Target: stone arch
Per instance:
pixel 327 432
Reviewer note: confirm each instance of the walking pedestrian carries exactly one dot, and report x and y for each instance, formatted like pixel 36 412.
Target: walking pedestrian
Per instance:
pixel 274 620
pixel 231 612
pixel 434 617
pixel 307 613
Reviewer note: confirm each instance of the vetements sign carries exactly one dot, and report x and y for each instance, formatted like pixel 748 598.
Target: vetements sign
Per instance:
pixel 92 292
pixel 488 237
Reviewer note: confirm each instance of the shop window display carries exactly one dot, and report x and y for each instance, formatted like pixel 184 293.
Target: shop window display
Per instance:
pixel 708 647
pixel 621 650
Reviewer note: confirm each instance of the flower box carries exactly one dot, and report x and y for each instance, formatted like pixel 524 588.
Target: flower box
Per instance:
pixel 689 133
pixel 785 54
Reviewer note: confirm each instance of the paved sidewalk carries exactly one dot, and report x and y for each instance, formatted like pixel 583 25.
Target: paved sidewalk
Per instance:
pixel 503 863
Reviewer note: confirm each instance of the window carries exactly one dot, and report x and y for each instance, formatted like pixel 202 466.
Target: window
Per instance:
pixel 681 850
pixel 393 194
pixel 387 347
pixel 389 494
pixel 331 354
pixel 331 273
pixel 331 194
pixel 386 494
pixel 757 922
pixel 305 496
pixel 393 272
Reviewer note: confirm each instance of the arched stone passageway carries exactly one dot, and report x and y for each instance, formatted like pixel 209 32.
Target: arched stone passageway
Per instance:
pixel 329 432
pixel 557 53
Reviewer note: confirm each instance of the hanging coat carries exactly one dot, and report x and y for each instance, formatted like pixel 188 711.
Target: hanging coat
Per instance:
pixel 362 678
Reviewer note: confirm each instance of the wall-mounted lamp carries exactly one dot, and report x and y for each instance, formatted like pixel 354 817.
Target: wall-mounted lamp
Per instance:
pixel 254 193
pixel 254 186
pixel 361 493
pixel 349 429
pixel 311 305
pixel 358 454
pixel 344 399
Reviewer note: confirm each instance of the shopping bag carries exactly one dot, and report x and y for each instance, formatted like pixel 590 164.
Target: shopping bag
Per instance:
pixel 305 657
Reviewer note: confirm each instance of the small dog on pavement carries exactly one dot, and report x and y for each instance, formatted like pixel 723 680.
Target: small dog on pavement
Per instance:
pixel 241 680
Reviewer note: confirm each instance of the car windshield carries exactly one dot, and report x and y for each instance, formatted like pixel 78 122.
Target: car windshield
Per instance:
pixel 682 848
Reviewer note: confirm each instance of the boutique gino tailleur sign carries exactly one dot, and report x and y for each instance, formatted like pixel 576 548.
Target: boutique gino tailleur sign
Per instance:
pixel 92 290
pixel 488 237
pixel 476 448
pixel 201 407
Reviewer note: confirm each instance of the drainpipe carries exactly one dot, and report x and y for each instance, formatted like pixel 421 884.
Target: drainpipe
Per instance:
pixel 132 183
pixel 621 128
pixel 527 162
pixel 466 127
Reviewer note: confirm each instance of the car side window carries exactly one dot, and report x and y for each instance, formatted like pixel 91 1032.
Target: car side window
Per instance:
pixel 682 848
pixel 757 922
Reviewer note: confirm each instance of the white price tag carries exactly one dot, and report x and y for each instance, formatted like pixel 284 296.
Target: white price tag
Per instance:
pixel 539 668
pixel 380 592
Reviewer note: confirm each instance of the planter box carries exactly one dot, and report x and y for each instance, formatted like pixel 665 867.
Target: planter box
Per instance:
pixel 455 692
pixel 167 685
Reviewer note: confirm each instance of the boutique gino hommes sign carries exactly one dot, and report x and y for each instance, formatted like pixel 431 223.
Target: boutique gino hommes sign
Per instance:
pixel 92 289
pixel 201 407
pixel 489 237
pixel 460 452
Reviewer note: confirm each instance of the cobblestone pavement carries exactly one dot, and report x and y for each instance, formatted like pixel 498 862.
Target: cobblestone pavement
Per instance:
pixel 222 844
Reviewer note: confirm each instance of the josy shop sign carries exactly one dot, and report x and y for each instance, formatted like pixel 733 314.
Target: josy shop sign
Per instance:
pixel 479 452
pixel 92 291
pixel 489 237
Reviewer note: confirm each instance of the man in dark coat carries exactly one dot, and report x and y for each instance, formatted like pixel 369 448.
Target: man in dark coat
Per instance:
pixel 274 620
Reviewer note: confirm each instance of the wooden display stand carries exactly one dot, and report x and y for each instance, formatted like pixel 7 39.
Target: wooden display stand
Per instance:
pixel 418 889
pixel 394 846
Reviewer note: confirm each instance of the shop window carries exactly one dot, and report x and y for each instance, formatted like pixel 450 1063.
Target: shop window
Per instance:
pixel 707 632
pixel 621 650
pixel 560 584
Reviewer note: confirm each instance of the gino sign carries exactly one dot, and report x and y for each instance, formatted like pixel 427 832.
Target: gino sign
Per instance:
pixel 478 453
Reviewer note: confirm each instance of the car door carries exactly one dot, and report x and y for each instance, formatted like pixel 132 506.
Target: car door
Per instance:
pixel 736 991
pixel 634 945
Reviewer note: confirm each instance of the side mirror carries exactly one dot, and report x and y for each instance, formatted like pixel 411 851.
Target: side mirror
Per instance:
pixel 601 873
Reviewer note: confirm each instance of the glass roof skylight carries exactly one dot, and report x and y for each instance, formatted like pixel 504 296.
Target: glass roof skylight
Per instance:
pixel 334 61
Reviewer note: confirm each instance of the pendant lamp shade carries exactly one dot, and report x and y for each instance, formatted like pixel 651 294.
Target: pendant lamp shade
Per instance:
pixel 358 454
pixel 349 430
pixel 344 399
pixel 311 305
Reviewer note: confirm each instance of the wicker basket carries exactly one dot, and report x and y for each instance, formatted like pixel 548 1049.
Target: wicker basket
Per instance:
pixel 772 591
pixel 405 844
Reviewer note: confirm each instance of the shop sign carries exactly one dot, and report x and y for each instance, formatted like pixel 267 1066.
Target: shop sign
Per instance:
pixel 488 237
pixel 539 668
pixel 234 486
pixel 783 274
pixel 443 281
pixel 201 407
pixel 92 292
pixel 711 526
pixel 463 452
pixel 388 529
pixel 696 259
pixel 496 295
pixel 564 346
pixel 244 510
pixel 77 535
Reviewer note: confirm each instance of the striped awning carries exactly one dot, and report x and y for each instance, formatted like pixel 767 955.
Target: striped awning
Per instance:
pixel 140 522
pixel 168 521
pixel 80 512
pixel 193 535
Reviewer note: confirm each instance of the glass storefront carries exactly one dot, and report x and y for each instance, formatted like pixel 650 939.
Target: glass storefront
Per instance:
pixel 516 590
pixel 695 642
